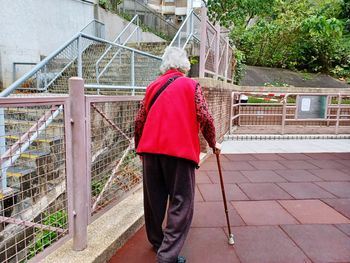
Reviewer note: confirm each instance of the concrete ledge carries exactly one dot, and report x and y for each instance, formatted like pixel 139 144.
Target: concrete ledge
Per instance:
pixel 245 137
pixel 106 234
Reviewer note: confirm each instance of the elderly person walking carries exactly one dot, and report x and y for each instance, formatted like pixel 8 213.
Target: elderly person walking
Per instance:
pixel 166 136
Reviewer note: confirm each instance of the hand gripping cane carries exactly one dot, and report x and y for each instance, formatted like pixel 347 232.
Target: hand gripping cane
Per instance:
pixel 230 235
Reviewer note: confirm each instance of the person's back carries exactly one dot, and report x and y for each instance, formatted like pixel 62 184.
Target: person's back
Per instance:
pixel 171 127
pixel 166 137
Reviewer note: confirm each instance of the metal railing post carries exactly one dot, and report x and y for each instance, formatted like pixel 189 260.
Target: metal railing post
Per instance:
pixel 2 151
pixel 203 41
pixel 284 113
pixel 217 51
pixel 226 59
pixel 78 125
pixel 45 77
pixel 231 112
pixel 138 31
pixel 80 59
pixel 338 114
pixel 13 72
pixel 133 72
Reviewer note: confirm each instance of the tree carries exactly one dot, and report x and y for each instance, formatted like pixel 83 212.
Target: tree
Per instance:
pixel 297 34
pixel 239 12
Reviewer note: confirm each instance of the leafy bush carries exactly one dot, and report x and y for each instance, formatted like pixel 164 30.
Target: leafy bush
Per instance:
pixel 45 238
pixel 312 36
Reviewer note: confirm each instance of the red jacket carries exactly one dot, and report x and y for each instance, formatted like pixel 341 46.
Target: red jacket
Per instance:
pixel 171 126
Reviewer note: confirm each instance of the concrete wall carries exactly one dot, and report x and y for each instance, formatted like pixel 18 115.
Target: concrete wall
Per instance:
pixel 32 29
pixel 115 24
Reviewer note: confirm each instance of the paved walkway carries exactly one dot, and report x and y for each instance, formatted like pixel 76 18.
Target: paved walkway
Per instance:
pixel 287 207
pixel 286 146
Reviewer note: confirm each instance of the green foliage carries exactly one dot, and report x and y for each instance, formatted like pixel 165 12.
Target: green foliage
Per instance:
pixel 111 5
pixel 276 84
pixel 45 238
pixel 238 12
pixel 97 186
pixel 305 35
pixel 194 60
pixel 240 67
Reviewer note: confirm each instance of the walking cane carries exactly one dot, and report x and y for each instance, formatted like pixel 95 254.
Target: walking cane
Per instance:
pixel 230 235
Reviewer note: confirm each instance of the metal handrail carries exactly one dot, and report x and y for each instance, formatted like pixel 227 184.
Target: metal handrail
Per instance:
pixel 42 63
pixel 117 39
pixel 148 11
pixel 121 46
pixel 180 29
pixel 39 66
pixel 160 17
pixel 93 21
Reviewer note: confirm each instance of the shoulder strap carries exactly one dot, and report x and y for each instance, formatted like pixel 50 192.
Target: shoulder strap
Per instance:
pixel 161 90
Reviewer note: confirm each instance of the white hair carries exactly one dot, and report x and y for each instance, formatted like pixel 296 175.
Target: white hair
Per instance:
pixel 175 58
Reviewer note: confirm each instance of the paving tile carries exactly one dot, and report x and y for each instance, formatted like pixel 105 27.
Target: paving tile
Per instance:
pixel 321 243
pixel 212 214
pixel 346 171
pixel 340 189
pixel 268 157
pixel 236 166
pixel 240 157
pixel 208 166
pixel 212 158
pixel 266 165
pixel 298 175
pixel 341 205
pixel 345 163
pixel 200 173
pixel 266 244
pixel 344 156
pixel 327 164
pixel 138 247
pixel 229 177
pixel 202 179
pixel 197 195
pixel 345 228
pixel 263 213
pixel 263 176
pixel 212 192
pixel 331 174
pixel 323 156
pixel 313 212
pixel 208 245
pixel 295 156
pixel 297 164
pixel 264 191
pixel 305 190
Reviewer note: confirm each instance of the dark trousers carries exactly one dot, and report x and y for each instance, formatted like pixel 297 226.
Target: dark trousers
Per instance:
pixel 167 177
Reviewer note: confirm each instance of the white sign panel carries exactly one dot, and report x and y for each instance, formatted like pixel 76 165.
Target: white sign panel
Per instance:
pixel 305 104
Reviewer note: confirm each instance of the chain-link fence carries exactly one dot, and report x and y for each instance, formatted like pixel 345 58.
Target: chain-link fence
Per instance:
pixel 150 20
pixel 291 113
pixel 33 196
pixel 115 168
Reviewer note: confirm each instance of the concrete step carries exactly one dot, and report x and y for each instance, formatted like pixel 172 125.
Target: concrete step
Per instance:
pixel 13 127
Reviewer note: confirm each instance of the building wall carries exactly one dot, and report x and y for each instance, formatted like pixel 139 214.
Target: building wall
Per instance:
pixel 32 29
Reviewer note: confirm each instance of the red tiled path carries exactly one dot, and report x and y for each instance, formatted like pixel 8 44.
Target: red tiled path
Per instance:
pixel 283 208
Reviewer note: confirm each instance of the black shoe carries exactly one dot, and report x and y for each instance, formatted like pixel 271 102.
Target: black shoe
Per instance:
pixel 181 259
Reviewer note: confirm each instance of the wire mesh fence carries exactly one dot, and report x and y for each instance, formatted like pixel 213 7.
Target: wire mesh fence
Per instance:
pixel 150 20
pixel 33 198
pixel 115 168
pixel 297 112
pixel 210 48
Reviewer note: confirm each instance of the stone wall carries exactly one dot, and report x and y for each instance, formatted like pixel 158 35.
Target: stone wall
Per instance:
pixel 218 96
